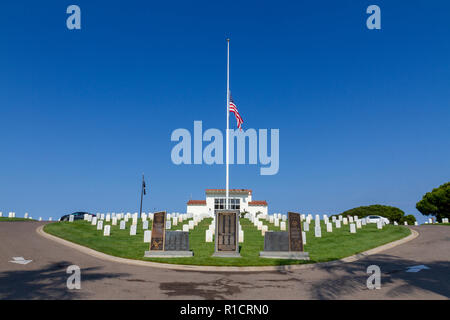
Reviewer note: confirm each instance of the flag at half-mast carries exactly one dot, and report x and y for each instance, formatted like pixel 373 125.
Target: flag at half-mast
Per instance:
pixel 234 109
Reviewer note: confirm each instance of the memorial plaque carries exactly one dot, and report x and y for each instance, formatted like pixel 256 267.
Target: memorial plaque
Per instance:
pixel 276 241
pixel 227 236
pixel 295 232
pixel 176 241
pixel 226 230
pixel 158 231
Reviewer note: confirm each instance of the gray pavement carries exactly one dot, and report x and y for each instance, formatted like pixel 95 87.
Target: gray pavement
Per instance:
pixel 45 277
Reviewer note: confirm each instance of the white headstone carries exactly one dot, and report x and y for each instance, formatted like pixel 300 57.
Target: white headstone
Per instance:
pixel 114 221
pixel 145 225
pixel 100 225
pixel 395 223
pixel 209 236
pixel 94 221
pixel 135 220
pixel 185 228
pixel 25 216
pixel 71 217
pixel 329 227
pixel 174 221
pixel 350 219
pixel 379 224
pixel 264 229
pixel 405 223
pixel 358 224
pixel 122 225
pixel 317 232
pixel 107 230
pixel 191 224
pixel 352 228
pixel 133 230
pixel 277 222
pixel 338 224
pixel 304 237
pixel 168 225
pixel 147 236
pixel 333 218
pixel 363 222
pixel 283 225
pixel 241 236
pixel 345 221
pixel 260 225
pixel 306 226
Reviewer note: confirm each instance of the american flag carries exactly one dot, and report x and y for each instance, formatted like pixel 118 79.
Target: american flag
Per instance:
pixel 234 109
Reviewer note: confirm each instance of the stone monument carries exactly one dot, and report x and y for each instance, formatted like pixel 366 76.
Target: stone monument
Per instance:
pixel 227 234
pixel 286 245
pixel 167 244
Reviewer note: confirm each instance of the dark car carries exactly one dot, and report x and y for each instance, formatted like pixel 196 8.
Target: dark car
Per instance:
pixel 76 216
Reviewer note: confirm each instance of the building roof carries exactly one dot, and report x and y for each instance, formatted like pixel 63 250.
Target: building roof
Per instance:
pixel 257 203
pixel 196 203
pixel 235 191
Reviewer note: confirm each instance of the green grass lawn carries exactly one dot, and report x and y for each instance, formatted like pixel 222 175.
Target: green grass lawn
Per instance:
pixel 336 245
pixel 5 219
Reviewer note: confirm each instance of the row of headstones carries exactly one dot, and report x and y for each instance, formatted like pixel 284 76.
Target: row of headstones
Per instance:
pixel 25 216
pixel 145 224
pixel 194 222
pixel 107 230
pixel 405 223
pixel 210 232
pixel 431 221
pixel 174 217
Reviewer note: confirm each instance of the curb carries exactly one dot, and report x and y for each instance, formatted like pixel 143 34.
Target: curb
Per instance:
pixel 103 256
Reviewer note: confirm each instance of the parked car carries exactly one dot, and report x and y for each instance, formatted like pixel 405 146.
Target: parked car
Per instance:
pixel 76 216
pixel 375 219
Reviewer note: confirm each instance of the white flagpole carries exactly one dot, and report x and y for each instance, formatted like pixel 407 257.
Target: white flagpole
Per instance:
pixel 228 118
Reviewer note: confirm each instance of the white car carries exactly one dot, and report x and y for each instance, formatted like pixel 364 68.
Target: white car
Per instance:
pixel 375 219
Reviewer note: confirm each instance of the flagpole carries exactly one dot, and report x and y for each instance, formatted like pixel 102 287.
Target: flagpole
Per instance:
pixel 142 195
pixel 228 118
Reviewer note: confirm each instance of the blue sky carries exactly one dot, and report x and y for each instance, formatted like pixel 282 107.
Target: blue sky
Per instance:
pixel 363 114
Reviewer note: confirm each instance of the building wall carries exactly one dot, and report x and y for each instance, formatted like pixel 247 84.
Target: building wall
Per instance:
pixel 254 209
pixel 196 210
pixel 209 208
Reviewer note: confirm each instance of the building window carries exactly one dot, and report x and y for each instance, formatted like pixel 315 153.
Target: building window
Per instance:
pixel 235 204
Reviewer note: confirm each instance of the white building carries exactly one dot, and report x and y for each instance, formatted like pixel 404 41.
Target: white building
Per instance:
pixel 240 199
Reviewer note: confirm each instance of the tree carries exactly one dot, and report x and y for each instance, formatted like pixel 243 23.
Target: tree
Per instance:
pixel 436 203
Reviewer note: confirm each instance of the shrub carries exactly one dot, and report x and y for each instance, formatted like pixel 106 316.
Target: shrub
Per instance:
pixel 409 218
pixel 392 213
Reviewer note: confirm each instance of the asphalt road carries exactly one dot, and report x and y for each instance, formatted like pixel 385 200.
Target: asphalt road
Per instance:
pixel 45 277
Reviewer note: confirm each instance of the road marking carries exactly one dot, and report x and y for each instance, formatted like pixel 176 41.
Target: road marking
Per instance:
pixel 417 268
pixel 20 260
